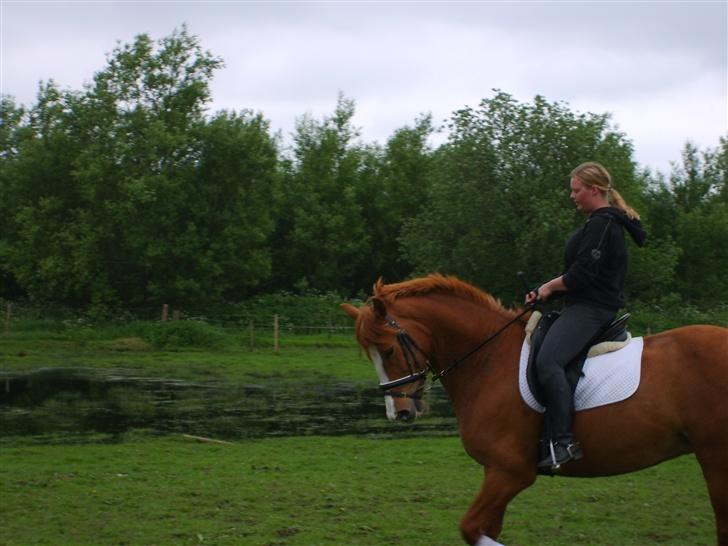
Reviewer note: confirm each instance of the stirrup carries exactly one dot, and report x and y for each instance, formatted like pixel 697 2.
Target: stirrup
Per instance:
pixel 570 451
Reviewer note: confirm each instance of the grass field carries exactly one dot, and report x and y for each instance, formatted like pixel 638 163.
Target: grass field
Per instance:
pixel 142 488
pixel 314 356
pixel 320 491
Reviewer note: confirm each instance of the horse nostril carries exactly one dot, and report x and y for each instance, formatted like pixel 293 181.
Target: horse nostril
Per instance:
pixel 404 415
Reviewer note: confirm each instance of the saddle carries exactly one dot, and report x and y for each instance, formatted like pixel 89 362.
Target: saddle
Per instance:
pixel 612 337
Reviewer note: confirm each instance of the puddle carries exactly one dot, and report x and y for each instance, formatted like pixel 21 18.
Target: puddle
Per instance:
pixel 77 400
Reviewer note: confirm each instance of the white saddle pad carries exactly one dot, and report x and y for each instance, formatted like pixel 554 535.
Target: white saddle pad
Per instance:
pixel 608 378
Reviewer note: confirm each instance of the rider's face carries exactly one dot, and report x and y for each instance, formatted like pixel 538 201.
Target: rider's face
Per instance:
pixel 584 197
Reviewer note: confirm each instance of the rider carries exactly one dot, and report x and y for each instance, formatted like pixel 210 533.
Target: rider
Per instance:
pixel 592 286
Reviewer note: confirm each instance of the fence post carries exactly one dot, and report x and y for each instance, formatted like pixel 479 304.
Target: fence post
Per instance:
pixel 275 333
pixel 165 312
pixel 8 313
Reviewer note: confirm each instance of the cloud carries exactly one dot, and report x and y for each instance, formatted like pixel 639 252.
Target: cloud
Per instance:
pixel 659 67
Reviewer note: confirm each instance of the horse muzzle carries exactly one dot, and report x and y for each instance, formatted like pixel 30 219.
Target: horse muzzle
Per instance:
pixel 404 407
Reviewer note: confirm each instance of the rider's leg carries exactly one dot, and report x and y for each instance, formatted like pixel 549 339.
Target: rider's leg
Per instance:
pixel 568 336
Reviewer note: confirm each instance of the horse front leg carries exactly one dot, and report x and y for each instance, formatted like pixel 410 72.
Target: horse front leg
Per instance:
pixel 483 522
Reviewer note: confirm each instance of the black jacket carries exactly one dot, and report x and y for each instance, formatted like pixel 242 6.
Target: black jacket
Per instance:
pixel 596 258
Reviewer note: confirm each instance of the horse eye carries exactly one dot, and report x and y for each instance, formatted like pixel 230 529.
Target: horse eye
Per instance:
pixel 388 352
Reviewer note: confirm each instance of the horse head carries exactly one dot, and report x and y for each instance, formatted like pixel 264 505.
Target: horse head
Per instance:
pixel 398 348
pixel 396 328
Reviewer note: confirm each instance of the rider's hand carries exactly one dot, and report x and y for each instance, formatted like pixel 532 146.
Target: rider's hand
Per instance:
pixel 532 297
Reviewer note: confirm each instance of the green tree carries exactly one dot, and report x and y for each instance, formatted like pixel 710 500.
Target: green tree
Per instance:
pixel 703 233
pixel 235 187
pixel 128 195
pixel 321 240
pixel 45 229
pixel 691 181
pixel 701 226
pixel 393 190
pixel 499 201
pixel 13 120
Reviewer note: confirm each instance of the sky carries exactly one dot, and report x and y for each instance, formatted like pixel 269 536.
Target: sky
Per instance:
pixel 659 68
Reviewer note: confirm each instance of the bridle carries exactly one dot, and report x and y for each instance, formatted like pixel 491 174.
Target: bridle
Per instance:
pixel 418 371
pixel 410 348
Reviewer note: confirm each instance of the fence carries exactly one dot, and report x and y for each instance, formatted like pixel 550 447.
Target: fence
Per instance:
pixel 255 333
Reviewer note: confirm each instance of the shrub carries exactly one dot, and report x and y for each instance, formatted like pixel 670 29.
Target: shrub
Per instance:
pixel 175 334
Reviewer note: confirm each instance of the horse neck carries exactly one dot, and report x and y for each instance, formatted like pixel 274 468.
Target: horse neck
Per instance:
pixel 456 327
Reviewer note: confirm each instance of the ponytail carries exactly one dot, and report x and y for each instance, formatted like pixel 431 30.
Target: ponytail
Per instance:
pixel 618 201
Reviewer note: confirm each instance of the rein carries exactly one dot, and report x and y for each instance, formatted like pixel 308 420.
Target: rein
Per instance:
pixel 417 372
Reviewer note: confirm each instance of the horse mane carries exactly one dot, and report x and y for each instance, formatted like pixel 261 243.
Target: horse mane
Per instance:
pixel 436 283
pixel 373 331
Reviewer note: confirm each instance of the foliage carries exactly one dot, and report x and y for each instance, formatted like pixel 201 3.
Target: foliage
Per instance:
pixel 306 310
pixel 174 334
pixel 499 195
pixel 128 194
pixel 322 241
pixel 393 192
pixel 689 218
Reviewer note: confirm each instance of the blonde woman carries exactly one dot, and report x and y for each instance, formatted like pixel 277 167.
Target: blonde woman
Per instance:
pixel 592 287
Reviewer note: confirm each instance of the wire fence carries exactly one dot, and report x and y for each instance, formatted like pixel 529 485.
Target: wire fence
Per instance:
pixel 255 331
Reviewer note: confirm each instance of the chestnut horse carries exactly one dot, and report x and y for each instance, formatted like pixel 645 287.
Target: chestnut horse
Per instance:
pixel 445 327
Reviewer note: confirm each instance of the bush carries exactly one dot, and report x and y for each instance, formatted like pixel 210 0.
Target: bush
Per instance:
pixel 176 334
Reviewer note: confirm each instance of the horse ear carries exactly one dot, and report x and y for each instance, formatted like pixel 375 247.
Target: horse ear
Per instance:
pixel 377 286
pixel 379 308
pixel 350 310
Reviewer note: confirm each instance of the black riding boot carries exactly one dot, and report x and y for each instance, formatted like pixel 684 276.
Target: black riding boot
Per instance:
pixel 560 403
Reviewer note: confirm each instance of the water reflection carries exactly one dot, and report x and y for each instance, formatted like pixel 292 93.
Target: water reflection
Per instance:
pixel 73 400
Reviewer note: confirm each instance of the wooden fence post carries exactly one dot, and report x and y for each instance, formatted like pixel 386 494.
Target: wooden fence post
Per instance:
pixel 165 312
pixel 275 333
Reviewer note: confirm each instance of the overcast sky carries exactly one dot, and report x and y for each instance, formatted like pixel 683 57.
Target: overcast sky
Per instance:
pixel 659 67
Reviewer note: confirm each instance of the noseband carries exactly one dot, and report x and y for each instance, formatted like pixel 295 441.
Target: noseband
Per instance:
pixel 418 371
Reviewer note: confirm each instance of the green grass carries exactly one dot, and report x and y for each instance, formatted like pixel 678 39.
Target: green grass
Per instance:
pixel 143 489
pixel 311 356
pixel 320 491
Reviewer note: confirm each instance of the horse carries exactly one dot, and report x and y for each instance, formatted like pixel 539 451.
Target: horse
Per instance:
pixel 446 329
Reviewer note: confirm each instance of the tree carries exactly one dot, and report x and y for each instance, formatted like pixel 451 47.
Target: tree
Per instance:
pixel 321 240
pixel 392 190
pixel 109 184
pixel 691 181
pixel 12 127
pixel 235 187
pixel 701 226
pixel 703 262
pixel 499 196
